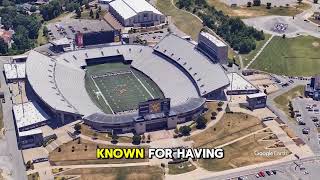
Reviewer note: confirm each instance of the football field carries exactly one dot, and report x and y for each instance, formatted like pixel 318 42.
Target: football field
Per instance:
pixel 119 90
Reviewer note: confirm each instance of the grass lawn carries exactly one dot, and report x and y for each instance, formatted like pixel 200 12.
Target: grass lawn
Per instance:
pixel 247 12
pixel 81 156
pixel 243 153
pixel 87 131
pixel 246 58
pixel 183 20
pixel 291 56
pixel 283 100
pixel 181 168
pixel 41 40
pixel 230 127
pixel 116 173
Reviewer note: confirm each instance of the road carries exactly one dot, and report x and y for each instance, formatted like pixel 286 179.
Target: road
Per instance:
pixel 291 124
pixel 296 25
pixel 282 166
pixel 8 146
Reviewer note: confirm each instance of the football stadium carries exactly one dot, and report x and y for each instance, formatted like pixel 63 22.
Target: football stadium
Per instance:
pixel 126 88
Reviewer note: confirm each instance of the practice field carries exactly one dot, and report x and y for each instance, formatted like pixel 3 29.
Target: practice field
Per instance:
pixel 115 87
pixel 291 56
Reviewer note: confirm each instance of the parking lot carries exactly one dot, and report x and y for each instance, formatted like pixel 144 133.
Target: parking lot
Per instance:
pixel 70 27
pixel 307 115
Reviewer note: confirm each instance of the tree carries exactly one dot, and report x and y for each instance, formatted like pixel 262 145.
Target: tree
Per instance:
pixel 148 138
pixel 86 4
pixel 136 139
pixel 3 47
pixel 91 13
pixel 97 15
pixel 201 122
pixel 299 1
pixel 45 31
pixel 115 138
pixel 268 5
pixel 28 165
pixel 256 2
pixel 77 128
pixel 249 4
pixel 184 4
pixel 284 36
pixel 33 8
pixel 95 135
pixel 185 130
pixel 78 13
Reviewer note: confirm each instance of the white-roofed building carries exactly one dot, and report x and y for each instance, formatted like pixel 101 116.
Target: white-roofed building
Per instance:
pixel 239 85
pixel 135 13
pixel 14 71
pixel 29 116
pixel 258 100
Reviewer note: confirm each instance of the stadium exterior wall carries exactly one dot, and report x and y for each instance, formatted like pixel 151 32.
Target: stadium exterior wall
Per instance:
pixel 140 125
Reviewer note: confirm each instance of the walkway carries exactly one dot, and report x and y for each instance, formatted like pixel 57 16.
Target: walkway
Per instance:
pixel 259 52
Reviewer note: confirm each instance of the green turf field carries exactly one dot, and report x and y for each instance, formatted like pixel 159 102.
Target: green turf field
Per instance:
pixel 298 56
pixel 115 87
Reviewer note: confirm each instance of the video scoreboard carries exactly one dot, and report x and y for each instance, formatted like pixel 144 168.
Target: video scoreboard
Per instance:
pixel 154 106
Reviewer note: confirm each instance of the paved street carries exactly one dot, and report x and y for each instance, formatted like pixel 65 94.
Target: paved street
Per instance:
pixel 12 157
pixel 296 25
pixel 291 124
pixel 312 137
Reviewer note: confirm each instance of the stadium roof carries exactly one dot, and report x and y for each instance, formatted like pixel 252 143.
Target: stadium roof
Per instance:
pixel 130 8
pixel 59 81
pixel 207 76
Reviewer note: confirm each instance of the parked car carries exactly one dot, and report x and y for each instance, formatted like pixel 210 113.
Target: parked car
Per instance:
pixel 274 172
pixel 268 173
pixel 305 130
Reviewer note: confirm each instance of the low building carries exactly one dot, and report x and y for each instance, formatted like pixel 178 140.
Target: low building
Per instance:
pixel 239 85
pixel 62 45
pixel 312 90
pixel 14 71
pixel 213 47
pixel 136 13
pixel 30 139
pixel 256 101
pixel 29 116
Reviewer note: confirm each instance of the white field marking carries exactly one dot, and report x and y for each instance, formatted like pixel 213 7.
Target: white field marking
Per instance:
pixel 105 101
pixel 143 85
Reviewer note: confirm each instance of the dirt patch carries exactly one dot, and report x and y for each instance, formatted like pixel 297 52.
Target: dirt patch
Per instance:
pixel 315 44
